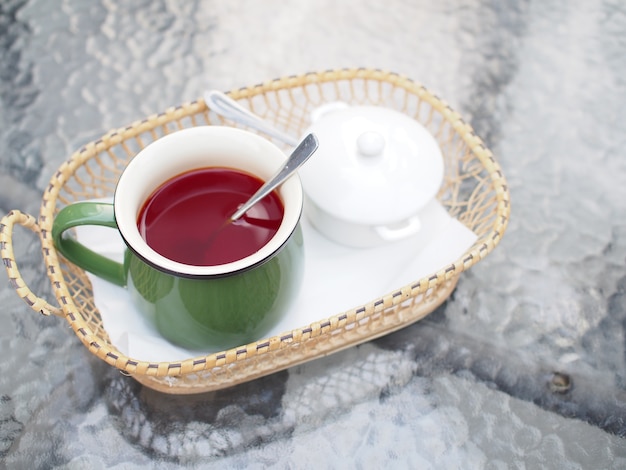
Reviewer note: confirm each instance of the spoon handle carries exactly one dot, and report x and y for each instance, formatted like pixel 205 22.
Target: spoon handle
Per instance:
pixel 227 107
pixel 301 154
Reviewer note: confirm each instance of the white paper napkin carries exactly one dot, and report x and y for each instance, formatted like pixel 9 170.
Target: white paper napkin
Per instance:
pixel 336 278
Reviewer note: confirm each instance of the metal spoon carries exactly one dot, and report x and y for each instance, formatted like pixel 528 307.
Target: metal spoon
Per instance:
pixel 301 154
pixel 227 107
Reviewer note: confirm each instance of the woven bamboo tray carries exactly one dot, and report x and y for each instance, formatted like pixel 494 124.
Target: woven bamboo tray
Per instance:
pixel 474 191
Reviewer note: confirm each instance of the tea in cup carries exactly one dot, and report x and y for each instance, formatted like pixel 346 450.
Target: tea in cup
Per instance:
pixel 204 282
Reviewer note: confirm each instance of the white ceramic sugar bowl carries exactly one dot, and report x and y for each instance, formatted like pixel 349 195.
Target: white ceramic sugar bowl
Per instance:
pixel 375 169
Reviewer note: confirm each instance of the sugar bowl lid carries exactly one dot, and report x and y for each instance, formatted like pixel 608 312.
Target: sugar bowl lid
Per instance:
pixel 374 165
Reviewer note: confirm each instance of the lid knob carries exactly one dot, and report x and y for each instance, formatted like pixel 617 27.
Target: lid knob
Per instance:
pixel 370 143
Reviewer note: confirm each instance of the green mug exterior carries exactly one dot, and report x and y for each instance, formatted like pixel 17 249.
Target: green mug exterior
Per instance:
pixel 217 312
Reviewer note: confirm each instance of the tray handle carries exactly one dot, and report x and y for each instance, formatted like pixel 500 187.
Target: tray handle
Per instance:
pixel 6 252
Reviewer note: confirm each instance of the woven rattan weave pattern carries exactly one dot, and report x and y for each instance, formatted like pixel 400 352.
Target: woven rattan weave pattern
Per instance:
pixel 474 191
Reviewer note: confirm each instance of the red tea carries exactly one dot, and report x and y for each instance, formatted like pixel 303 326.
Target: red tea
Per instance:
pixel 185 219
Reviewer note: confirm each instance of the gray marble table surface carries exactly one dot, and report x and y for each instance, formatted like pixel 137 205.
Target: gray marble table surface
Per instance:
pixel 477 384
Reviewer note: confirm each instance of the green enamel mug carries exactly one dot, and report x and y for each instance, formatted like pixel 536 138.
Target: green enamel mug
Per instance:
pixel 209 307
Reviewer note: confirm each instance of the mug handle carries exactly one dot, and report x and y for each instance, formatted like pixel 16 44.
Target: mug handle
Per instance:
pixel 87 213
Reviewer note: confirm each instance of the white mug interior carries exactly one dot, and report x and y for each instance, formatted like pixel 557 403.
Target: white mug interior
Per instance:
pixel 195 148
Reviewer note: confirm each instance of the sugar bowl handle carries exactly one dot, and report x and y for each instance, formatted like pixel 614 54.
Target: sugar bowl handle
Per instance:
pixel 6 252
pixel 410 227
